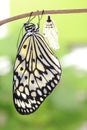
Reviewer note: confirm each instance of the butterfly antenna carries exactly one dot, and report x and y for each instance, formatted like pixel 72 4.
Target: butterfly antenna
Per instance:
pixel 21 32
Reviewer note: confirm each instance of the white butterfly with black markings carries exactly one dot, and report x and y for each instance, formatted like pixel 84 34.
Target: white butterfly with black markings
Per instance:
pixel 37 71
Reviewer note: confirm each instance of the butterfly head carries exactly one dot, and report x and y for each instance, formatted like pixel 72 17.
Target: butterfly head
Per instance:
pixel 30 27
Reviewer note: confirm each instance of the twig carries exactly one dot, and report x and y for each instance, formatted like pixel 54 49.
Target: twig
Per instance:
pixel 40 12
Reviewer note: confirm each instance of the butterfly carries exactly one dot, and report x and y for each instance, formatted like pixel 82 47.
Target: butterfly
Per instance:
pixel 37 71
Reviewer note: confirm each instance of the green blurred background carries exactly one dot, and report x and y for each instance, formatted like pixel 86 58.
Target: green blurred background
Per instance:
pixel 66 107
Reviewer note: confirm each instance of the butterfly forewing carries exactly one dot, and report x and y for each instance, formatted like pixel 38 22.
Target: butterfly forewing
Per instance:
pixel 36 73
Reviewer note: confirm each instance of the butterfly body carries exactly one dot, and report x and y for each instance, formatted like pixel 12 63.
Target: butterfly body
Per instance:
pixel 36 71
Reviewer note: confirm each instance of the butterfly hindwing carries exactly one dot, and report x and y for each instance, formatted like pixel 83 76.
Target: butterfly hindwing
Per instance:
pixel 36 73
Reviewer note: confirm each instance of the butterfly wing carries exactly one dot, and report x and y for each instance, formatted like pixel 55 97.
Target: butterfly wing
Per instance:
pixel 36 73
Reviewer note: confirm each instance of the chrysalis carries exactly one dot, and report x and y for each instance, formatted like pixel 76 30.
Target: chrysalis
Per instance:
pixel 37 71
pixel 51 34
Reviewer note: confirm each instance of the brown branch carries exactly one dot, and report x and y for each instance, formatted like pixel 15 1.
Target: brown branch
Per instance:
pixel 40 12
